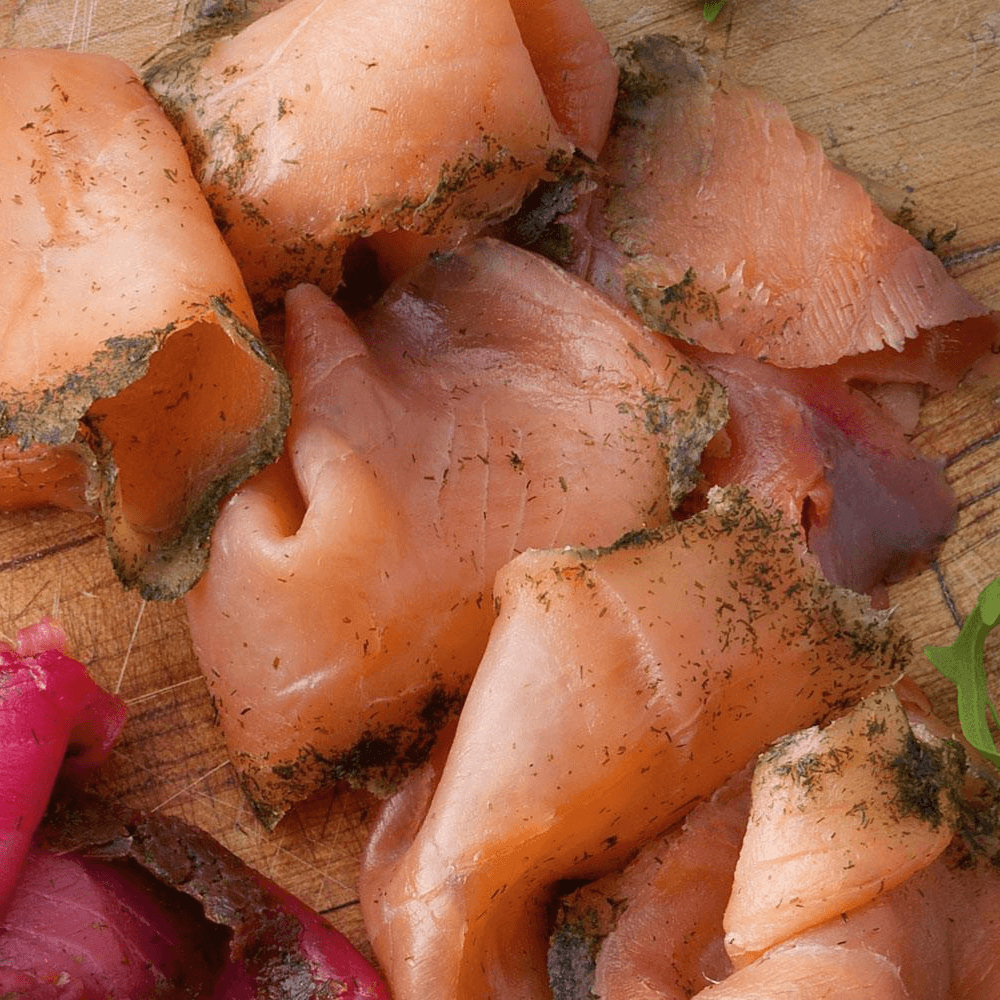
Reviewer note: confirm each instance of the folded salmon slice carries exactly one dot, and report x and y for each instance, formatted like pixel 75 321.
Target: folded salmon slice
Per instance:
pixel 326 120
pixel 725 225
pixel 132 378
pixel 832 457
pixel 654 929
pixel 825 882
pixel 934 937
pixel 618 687
pixel 488 403
pixel 839 816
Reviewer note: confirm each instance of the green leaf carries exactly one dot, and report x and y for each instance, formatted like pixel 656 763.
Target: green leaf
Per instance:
pixel 963 663
pixel 711 10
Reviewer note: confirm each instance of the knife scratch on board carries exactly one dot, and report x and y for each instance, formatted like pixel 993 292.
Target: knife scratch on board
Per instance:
pixel 128 648
pixel 88 20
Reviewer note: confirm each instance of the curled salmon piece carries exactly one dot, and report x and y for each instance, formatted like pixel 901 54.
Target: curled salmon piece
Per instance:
pixel 132 379
pixel 326 120
pixel 935 937
pixel 725 225
pixel 488 403
pixel 839 815
pixel 619 687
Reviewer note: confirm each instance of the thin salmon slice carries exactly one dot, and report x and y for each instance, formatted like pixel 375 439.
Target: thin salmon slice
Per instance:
pixel 619 687
pixel 934 937
pixel 833 458
pixel 326 120
pixel 654 929
pixel 488 403
pixel 132 378
pixel 574 65
pixel 839 816
pixel 828 810
pixel 725 225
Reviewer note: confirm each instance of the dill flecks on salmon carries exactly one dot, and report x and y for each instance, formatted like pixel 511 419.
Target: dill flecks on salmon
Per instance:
pixel 326 120
pixel 861 863
pixel 726 228
pixel 618 687
pixel 488 403
pixel 656 924
pixel 132 379
pixel 837 819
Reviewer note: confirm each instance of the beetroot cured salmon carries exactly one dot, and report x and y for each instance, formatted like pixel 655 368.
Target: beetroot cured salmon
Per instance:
pixel 619 686
pixel 488 403
pixel 132 379
pixel 326 120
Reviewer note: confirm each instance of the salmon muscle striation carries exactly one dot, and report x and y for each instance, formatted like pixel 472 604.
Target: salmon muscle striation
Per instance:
pixel 574 65
pixel 619 687
pixel 326 120
pixel 131 375
pixel 725 225
pixel 488 403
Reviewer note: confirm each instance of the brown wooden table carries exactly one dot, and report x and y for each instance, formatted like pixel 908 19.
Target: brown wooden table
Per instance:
pixel 906 92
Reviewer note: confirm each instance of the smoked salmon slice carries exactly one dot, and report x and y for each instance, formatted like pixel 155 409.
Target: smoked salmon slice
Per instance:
pixel 488 403
pixel 574 66
pixel 832 457
pixel 619 687
pixel 839 816
pixel 726 228
pixel 326 120
pixel 859 858
pixel 132 379
pixel 725 225
pixel 654 929
pixel 934 937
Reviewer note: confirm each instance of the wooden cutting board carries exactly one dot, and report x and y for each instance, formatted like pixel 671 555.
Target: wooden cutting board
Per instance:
pixel 905 92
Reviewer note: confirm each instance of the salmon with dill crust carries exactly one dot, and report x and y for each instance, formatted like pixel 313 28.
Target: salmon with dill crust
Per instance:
pixel 132 379
pixel 326 120
pixel 488 403
pixel 618 687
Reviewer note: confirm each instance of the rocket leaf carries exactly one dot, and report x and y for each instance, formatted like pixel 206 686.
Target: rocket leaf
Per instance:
pixel 963 663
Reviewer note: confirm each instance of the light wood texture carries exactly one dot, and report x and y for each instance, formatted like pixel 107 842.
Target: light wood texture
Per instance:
pixel 906 92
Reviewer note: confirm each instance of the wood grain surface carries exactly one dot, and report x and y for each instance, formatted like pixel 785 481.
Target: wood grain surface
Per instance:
pixel 904 92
